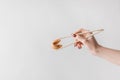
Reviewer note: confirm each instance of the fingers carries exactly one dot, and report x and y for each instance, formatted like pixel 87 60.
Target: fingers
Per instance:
pixel 80 39
pixel 80 31
pixel 78 44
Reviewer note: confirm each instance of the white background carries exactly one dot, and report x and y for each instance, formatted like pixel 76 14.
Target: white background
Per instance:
pixel 27 28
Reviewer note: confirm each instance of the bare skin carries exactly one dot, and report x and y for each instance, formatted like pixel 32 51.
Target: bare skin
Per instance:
pixel 96 49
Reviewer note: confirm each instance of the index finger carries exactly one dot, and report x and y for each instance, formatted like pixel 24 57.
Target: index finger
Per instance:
pixel 79 31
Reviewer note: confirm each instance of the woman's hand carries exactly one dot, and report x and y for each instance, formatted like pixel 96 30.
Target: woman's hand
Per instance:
pixel 111 55
pixel 81 39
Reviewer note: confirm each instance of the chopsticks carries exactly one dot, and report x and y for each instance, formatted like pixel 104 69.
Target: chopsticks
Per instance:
pixel 56 43
pixel 93 33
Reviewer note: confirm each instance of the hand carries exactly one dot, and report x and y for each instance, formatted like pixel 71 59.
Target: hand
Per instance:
pixel 81 40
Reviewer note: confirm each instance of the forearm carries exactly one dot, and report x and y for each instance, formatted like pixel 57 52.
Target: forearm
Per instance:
pixel 100 51
pixel 108 54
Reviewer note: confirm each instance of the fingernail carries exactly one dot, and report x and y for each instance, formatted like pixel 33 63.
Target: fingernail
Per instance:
pixel 74 35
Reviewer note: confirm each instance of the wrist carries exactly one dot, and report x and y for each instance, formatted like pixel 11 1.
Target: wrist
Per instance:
pixel 96 50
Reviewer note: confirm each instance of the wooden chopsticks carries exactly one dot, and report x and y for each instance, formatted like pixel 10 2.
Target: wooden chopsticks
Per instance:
pixel 56 43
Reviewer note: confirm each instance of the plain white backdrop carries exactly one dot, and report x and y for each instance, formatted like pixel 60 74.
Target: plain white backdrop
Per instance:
pixel 28 27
